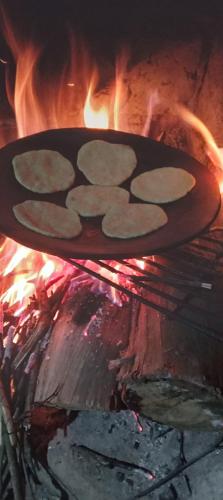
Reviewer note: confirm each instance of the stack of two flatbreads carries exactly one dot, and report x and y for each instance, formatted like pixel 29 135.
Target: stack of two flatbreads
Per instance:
pixel 45 171
pixel 106 166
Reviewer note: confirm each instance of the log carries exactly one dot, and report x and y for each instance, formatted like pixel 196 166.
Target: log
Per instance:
pixel 100 353
pixel 89 332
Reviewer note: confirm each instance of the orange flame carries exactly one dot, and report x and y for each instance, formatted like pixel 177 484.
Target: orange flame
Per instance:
pixel 94 118
pixel 20 254
pixel 39 105
pixel 153 100
pixel 100 115
pixel 45 94
pixel 212 149
pixel 120 69
pixel 42 101
pixel 29 267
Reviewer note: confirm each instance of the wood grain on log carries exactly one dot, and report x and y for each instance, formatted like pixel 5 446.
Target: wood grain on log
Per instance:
pixel 88 334
pixel 163 369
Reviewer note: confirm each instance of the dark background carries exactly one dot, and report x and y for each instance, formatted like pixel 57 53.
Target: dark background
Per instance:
pixel 105 26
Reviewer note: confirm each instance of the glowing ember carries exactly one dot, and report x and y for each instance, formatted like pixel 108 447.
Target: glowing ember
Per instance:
pixel 16 338
pixel 136 418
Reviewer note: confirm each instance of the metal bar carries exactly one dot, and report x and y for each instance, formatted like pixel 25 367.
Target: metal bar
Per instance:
pixel 165 267
pixel 200 270
pixel 155 291
pixel 214 229
pixel 203 248
pixel 170 281
pixel 181 303
pixel 183 256
pixel 212 333
pixel 126 291
pixel 212 240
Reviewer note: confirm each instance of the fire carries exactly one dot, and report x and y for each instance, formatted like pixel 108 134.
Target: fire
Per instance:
pixel 153 100
pixel 213 151
pixel 21 253
pixel 18 291
pixel 120 69
pixel 100 115
pixel 48 269
pixel 27 268
pixel 67 99
pixel 116 273
pixel 95 118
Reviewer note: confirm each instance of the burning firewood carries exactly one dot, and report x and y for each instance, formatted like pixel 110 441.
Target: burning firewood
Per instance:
pixel 18 377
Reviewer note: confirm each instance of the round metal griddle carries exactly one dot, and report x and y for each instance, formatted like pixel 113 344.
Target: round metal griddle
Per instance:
pixel 187 217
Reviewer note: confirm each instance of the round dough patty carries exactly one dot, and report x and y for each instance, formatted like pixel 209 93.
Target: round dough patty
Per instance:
pixel 43 171
pixel 48 219
pixel 91 201
pixel 135 219
pixel 162 185
pixel 106 164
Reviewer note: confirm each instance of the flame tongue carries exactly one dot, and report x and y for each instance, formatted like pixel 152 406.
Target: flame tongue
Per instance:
pixel 40 103
pixel 24 270
pixel 93 118
pixel 213 151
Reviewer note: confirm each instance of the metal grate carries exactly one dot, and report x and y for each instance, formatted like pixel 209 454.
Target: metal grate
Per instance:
pixel 184 284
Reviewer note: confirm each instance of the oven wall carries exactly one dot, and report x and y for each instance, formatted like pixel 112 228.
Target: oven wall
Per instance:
pixel 173 48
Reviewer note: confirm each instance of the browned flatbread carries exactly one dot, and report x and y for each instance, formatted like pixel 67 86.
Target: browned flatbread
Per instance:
pixel 91 201
pixel 132 220
pixel 162 185
pixel 48 219
pixel 43 171
pixel 106 164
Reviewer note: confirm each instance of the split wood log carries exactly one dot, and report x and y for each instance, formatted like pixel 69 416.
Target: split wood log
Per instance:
pixel 89 332
pixel 161 368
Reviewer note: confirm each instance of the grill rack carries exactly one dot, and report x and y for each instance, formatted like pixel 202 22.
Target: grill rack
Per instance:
pixel 180 284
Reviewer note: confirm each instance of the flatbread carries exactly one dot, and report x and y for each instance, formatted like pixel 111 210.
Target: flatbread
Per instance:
pixel 43 171
pixel 135 219
pixel 48 219
pixel 106 164
pixel 91 201
pixel 163 185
